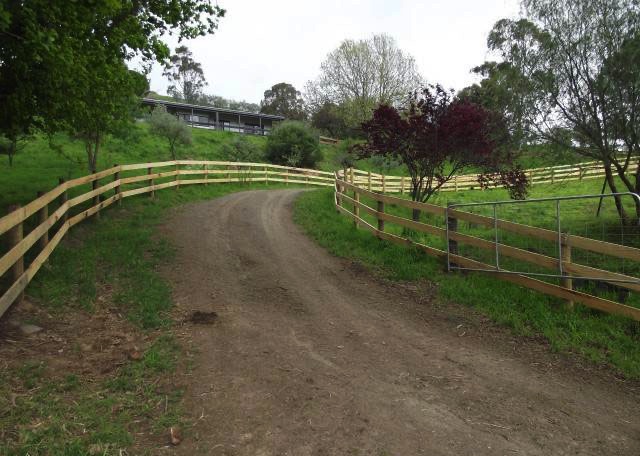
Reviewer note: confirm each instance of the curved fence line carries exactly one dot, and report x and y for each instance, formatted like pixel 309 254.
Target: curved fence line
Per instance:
pixel 47 228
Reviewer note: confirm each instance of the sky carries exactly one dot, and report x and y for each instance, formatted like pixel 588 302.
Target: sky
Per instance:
pixel 260 43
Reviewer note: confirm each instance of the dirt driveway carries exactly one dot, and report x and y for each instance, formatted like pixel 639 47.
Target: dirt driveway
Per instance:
pixel 312 355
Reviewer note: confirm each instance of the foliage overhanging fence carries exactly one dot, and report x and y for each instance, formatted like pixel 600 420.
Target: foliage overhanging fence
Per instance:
pixel 124 181
pixel 350 189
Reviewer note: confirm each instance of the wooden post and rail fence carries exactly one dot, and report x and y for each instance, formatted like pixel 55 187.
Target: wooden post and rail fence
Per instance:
pixel 32 232
pixel 350 193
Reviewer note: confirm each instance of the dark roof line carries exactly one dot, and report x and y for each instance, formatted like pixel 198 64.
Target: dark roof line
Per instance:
pixel 177 104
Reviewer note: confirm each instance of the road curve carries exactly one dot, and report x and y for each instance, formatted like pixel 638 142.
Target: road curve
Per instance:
pixel 312 355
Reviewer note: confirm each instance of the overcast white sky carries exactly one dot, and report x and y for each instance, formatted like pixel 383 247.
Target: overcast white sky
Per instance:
pixel 260 43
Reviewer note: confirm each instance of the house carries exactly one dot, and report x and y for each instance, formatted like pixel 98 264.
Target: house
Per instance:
pixel 218 118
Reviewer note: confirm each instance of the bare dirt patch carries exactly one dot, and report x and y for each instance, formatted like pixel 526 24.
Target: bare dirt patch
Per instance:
pixel 313 355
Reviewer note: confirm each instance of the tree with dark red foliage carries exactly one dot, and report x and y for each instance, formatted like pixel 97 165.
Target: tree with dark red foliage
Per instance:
pixel 439 136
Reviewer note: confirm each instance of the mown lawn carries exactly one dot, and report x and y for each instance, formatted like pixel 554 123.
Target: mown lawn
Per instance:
pixel 604 339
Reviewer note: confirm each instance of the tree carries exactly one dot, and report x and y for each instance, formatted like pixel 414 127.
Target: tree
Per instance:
pixel 438 136
pixel 362 74
pixel 171 128
pixel 186 76
pixel 504 90
pixel 64 61
pixel 293 143
pixel 221 102
pixel 328 120
pixel 10 147
pixel 578 61
pixel 283 100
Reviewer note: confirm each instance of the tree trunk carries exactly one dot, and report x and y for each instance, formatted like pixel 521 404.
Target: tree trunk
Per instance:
pixel 614 189
pixel 415 196
pixel 12 151
pixel 92 147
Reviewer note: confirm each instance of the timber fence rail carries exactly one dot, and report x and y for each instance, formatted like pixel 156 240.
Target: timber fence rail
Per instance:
pixel 50 216
pixel 348 201
pixel 548 175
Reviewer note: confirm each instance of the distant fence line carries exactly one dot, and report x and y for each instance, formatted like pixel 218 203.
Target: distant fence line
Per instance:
pixel 547 175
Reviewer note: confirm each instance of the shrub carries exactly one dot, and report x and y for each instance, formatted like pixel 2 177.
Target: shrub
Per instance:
pixel 171 128
pixel 293 144
pixel 240 149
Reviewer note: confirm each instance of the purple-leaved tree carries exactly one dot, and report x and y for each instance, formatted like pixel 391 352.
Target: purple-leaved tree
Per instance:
pixel 438 136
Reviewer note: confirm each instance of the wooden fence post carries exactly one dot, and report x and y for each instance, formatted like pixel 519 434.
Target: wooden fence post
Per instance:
pixel 452 226
pixel 384 187
pixel 566 258
pixel 64 197
pixel 455 182
pixel 96 199
pixel 402 185
pixel 14 237
pixel 116 177
pixel 228 173
pixel 152 193
pixel 205 168
pixel 338 193
pixel 43 215
pixel 356 208
pixel 369 180
pixel 380 220
pixel 266 176
pixel 351 171
pixel 249 174
pixel 177 177
pixel 553 175
pixel 580 173
pixel 286 177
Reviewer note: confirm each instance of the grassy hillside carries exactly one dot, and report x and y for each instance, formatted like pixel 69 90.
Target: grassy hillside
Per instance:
pixel 39 165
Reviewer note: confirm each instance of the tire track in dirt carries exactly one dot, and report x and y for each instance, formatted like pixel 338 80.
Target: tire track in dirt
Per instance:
pixel 312 355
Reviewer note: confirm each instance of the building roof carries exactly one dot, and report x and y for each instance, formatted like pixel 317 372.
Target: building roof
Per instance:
pixel 176 104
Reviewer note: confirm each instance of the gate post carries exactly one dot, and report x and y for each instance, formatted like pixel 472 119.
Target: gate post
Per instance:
pixel 566 282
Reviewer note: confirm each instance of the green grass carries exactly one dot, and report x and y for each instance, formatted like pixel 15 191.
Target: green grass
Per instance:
pixel 603 339
pixel 71 416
